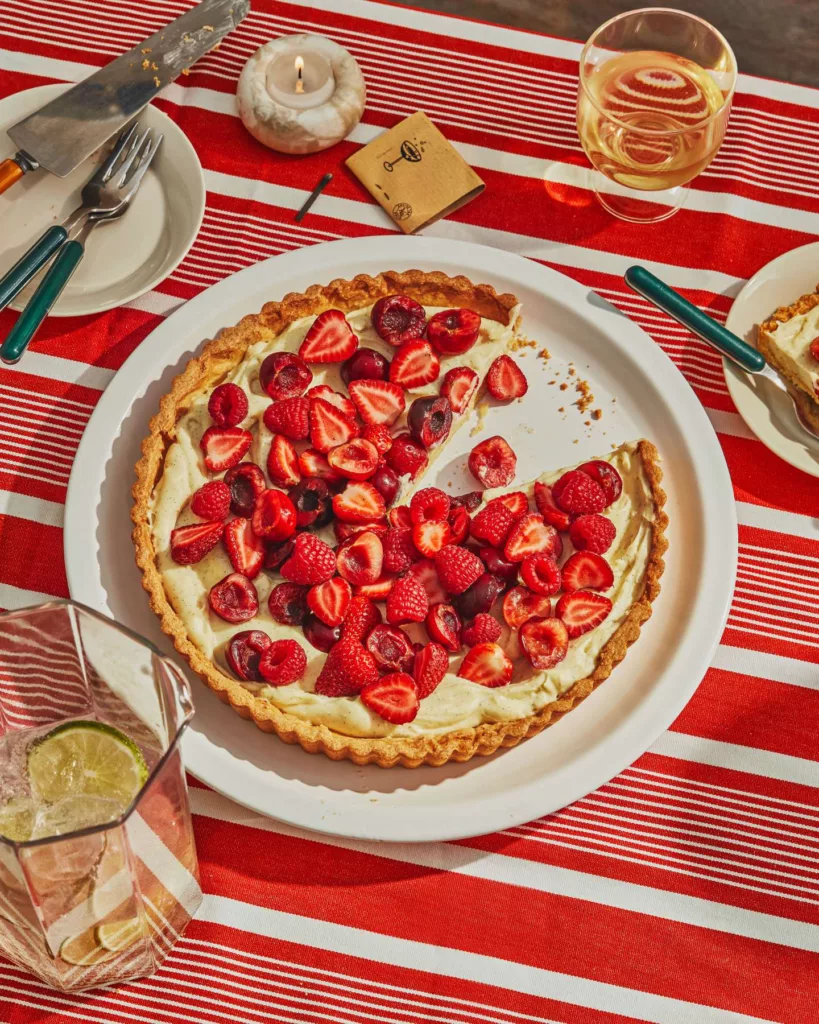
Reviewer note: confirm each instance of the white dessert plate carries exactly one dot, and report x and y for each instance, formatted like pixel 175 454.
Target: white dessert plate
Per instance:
pixel 599 738
pixel 128 256
pixel 767 409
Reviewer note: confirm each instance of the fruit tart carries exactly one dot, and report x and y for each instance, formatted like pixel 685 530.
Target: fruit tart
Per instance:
pixel 789 340
pixel 294 553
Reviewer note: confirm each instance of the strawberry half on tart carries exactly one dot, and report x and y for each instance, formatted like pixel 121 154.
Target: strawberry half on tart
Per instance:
pixel 293 552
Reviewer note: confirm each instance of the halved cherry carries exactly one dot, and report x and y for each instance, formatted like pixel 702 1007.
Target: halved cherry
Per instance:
pixel 360 559
pixel 520 605
pixel 498 565
pixel 284 375
pixel 246 483
pixel 365 364
pixel 480 596
pixel 386 481
pixel 311 500
pixel 429 421
pixel 453 331
pixel 274 516
pixel 355 460
pixel 471 501
pixel 288 603
pixel 319 634
pixel 398 318
pixel 444 625
pixel 234 598
pixel 544 642
pixel 276 553
pixel 459 523
pixel 243 653
pixel 391 648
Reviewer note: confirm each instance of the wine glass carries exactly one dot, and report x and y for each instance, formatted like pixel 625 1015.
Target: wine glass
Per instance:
pixel 653 103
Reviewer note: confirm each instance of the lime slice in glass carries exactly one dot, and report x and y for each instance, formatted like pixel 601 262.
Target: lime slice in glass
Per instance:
pixel 84 950
pixel 17 819
pixel 119 935
pixel 87 759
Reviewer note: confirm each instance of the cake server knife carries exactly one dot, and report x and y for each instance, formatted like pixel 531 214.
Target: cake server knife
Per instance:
pixel 66 131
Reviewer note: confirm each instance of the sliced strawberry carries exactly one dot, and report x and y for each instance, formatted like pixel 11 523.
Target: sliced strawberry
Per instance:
pixel 493 462
pixel 224 447
pixel 506 380
pixel 458 568
pixel 378 591
pixel 577 493
pixel 459 523
pixel 359 502
pixel 429 504
pixel 400 516
pixel 430 665
pixel 521 604
pixel 492 524
pixel 283 662
pixel 355 460
pixel 544 642
pixel 313 463
pixel 585 570
pixel 379 435
pixel 399 550
pixel 362 615
pixel 582 610
pixel 274 516
pixel 284 375
pixel 190 544
pixel 227 405
pixel 234 598
pixel 211 501
pixel 406 457
pixel 459 386
pixel 430 537
pixel 483 629
pixel 282 462
pixel 344 531
pixel 377 401
pixel 330 339
pixel 424 571
pixel 312 561
pixel 414 365
pixel 398 318
pixel 393 697
pixel 288 603
pixel 606 476
pixel 329 427
pixel 592 533
pixel 360 559
pixel 330 600
pixel 454 331
pixel 515 501
pixel 407 601
pixel 290 417
pixel 244 651
pixel 486 664
pixel 531 534
pixel 391 648
pixel 547 507
pixel 444 625
pixel 245 550
pixel 541 573
pixel 335 398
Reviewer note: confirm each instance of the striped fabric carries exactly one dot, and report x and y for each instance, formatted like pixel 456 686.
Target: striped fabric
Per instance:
pixel 685 890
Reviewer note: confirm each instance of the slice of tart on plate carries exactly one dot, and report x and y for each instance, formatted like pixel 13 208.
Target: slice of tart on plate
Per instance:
pixel 293 553
pixel 789 340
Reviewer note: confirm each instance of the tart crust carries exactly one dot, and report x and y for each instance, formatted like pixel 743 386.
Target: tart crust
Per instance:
pixel 220 356
pixel 804 398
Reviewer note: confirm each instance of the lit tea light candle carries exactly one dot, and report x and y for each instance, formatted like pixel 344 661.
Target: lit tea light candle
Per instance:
pixel 301 94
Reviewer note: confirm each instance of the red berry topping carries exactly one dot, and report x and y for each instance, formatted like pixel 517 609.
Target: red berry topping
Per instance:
pixel 483 629
pixel 313 463
pixel 444 625
pixel 400 517
pixel 359 502
pixel 330 339
pixel 288 603
pixel 407 601
pixel 227 405
pixel 577 493
pixel 379 435
pixel 284 375
pixel 459 386
pixel 211 501
pixel 362 615
pixel 391 648
pixel 592 533
pixel 312 561
pixel 430 420
pixel 244 651
pixel 415 365
pixel 378 591
pixel 471 501
pixel 283 662
pixel 406 457
pixel 547 507
pixel 424 571
pixel 290 417
pixel 377 401
pixel 480 596
pixel 386 481
pixel 429 667
pixel 329 427
pixel 544 642
pixel 586 571
pixel 349 667
pixel 541 573
pixel 245 550
pixel 335 398
pixel 355 460
pixel 399 550
pixel 453 331
pixel 493 523
pixel 430 537
pixel 190 544
pixel 398 318
pixel 311 500
pixel 429 504
pixel 458 568
pixel 234 598
pixel 321 636
pixel 531 534
pixel 246 482
pixel 459 523
pixel 521 604
pixel 276 553
pixel 274 516
pixel 814 348
pixel 329 600
pixel 282 462
pixel 344 531
pixel 393 697
pixel 497 564
pixel 607 476
pixel 515 501
pixel 582 610
pixel 365 363
pixel 493 462
pixel 360 560
pixel 486 664
pixel 506 380
pixel 224 447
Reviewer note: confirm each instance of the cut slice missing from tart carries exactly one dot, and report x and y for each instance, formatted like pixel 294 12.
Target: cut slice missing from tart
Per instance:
pixel 292 550
pixel 789 341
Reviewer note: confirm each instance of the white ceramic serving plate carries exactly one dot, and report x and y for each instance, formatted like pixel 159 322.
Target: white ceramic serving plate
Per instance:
pixel 130 255
pixel 767 409
pixel 598 739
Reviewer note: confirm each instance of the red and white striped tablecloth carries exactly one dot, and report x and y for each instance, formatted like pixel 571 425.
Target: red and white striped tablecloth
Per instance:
pixel 685 890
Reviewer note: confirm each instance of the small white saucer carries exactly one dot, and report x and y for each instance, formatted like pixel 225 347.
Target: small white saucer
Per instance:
pixel 129 256
pixel 766 409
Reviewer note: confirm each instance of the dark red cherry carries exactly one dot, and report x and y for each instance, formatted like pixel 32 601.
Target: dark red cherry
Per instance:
pixel 365 364
pixel 319 634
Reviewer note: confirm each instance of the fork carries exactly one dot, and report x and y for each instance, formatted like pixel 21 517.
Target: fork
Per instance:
pixel 105 197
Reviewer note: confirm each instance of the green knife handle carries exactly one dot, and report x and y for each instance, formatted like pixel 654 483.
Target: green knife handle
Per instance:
pixel 48 291
pixel 30 262
pixel 686 313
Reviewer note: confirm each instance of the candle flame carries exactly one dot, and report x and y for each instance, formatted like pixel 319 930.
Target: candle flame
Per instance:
pixel 299 70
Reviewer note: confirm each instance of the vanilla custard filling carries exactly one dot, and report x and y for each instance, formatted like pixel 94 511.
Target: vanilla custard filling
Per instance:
pixel 792 339
pixel 456 702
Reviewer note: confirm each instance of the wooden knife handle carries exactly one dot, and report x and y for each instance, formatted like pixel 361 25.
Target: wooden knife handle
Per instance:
pixel 10 171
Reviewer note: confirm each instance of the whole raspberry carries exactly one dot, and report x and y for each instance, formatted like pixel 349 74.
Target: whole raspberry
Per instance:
pixel 457 568
pixel 228 405
pixel 290 416
pixel 484 629
pixel 312 561
pixel 211 501
pixel 283 662
pixel 576 492
pixel 592 533
pixel 407 601
pixel 406 457
pixel 492 524
pixel 362 615
pixel 399 550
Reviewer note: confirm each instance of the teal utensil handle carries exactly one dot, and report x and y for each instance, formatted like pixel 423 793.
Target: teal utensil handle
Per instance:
pixel 48 291
pixel 687 314
pixel 30 262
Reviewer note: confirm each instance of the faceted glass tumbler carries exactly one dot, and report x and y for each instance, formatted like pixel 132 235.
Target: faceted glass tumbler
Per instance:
pixel 105 903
